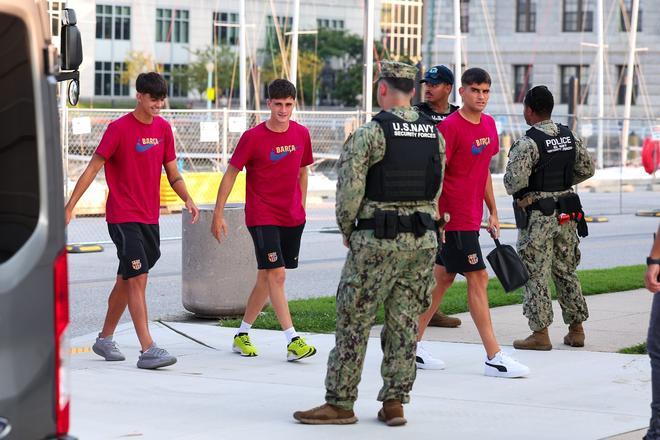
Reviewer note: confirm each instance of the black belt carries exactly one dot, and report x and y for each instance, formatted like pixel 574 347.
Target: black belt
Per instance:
pixel 549 202
pixel 417 223
pixel 565 204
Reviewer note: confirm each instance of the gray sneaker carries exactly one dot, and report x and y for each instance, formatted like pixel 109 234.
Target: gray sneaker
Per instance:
pixel 107 348
pixel 154 357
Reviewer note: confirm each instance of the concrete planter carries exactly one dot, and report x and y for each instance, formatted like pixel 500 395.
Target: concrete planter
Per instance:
pixel 217 278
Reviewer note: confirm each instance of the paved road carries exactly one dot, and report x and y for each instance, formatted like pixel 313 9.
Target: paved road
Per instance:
pixel 624 240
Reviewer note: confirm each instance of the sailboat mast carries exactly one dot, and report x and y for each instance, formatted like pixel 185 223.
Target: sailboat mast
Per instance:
pixel 632 49
pixel 457 51
pixel 601 84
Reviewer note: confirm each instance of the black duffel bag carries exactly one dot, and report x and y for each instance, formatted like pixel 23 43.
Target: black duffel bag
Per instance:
pixel 508 266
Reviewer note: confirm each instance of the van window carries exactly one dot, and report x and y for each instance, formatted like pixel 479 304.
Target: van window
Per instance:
pixel 19 171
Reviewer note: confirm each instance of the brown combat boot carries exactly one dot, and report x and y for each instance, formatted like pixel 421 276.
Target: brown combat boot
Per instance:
pixel 439 319
pixel 575 336
pixel 326 414
pixel 538 340
pixel 392 413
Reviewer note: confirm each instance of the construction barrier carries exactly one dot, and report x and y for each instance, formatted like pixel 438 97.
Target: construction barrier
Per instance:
pixel 203 187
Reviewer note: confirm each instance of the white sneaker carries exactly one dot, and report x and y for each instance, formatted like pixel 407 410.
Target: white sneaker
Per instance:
pixel 501 365
pixel 425 361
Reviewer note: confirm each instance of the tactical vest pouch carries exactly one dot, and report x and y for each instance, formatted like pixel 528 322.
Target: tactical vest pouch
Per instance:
pixel 521 215
pixel 582 228
pixel 386 224
pixel 547 206
pixel 421 222
pixel 570 203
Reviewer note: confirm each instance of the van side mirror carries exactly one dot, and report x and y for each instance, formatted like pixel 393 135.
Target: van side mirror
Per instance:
pixel 71 54
pixel 70 42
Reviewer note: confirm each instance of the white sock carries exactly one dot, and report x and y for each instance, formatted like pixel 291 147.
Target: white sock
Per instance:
pixel 245 327
pixel 290 333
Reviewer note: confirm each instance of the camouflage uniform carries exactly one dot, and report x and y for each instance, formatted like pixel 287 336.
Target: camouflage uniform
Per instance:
pixel 394 272
pixel 546 247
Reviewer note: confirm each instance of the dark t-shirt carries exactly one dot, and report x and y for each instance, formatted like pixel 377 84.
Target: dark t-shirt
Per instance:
pixel 437 117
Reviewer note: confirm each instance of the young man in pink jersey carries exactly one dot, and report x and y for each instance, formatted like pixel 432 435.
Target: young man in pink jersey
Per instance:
pixel 134 149
pixel 276 154
pixel 471 141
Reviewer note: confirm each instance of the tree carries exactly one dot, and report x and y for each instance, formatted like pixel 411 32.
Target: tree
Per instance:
pixel 343 56
pixel 309 73
pixel 136 62
pixel 225 61
pixel 348 86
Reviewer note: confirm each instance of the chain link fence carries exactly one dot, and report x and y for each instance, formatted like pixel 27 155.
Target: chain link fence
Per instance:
pixel 205 141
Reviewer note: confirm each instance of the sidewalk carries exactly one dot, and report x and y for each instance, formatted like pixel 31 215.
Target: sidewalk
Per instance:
pixel 616 320
pixel 215 394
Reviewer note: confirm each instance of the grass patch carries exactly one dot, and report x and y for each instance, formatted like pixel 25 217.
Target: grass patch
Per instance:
pixel 318 314
pixel 635 349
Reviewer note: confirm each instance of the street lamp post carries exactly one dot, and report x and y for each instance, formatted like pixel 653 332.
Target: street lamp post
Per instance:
pixel 209 84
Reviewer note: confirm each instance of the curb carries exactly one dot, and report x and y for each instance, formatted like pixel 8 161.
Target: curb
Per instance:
pixel 79 350
pixel 590 219
pixel 503 225
pixel 83 248
pixel 648 213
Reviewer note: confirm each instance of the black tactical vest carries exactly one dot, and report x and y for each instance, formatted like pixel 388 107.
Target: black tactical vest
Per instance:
pixel 554 170
pixel 436 117
pixel 410 169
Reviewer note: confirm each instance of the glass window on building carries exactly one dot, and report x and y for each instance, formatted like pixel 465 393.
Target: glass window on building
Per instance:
pixel 522 81
pixel 172 25
pixel 107 79
pixel 55 8
pixel 625 15
pixel 326 23
pixel 465 16
pixel 225 28
pixel 122 20
pixel 578 16
pixel 580 72
pixel 401 28
pixel 176 76
pixel 113 22
pixel 104 22
pixel 181 26
pixel 622 71
pixel 283 25
pixel 525 16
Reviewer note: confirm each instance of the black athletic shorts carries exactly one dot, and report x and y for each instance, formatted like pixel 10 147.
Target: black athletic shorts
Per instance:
pixel 460 252
pixel 276 246
pixel 138 247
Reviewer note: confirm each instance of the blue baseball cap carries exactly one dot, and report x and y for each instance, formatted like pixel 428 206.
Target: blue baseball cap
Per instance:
pixel 437 75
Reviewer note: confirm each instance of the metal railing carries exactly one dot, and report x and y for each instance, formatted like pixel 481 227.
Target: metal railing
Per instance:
pixel 205 140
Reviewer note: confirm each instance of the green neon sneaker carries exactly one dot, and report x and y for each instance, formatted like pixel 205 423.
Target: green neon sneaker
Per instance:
pixel 299 349
pixel 243 345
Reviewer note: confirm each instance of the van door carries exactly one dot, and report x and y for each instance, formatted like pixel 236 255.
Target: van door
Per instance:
pixel 33 307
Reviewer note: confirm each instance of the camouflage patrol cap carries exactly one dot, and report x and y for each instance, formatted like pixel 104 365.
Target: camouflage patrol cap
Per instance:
pixel 395 69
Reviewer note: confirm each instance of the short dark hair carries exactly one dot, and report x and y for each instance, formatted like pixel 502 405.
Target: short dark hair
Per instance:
pixel 540 100
pixel 152 83
pixel 405 85
pixel 281 89
pixel 475 75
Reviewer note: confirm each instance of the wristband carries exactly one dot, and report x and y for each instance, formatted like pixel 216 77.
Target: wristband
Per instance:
pixel 650 261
